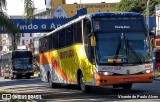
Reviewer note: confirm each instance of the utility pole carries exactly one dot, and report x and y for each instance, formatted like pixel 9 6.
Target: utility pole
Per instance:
pixel 80 4
pixel 147 13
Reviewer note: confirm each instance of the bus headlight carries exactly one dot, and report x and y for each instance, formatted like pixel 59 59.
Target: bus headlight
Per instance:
pixel 147 71
pixel 105 73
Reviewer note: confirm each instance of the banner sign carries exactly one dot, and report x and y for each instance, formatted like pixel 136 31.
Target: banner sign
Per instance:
pixel 43 25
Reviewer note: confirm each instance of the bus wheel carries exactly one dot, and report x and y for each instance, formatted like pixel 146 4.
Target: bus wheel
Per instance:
pixel 127 86
pixel 50 81
pixel 84 88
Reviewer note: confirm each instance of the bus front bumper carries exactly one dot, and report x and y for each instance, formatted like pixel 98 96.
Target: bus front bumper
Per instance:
pixel 104 80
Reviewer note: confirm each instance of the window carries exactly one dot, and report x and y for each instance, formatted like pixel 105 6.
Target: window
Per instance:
pixel 22 34
pixel 55 40
pixel 77 27
pixel 86 32
pixel 30 34
pixel 23 42
pixel 69 36
pixel 49 42
pixel 30 40
pixel 62 38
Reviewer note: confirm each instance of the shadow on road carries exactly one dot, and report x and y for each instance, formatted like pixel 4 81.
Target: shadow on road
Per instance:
pixel 8 82
pixel 71 91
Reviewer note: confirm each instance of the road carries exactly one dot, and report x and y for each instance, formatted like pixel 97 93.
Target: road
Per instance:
pixel 69 93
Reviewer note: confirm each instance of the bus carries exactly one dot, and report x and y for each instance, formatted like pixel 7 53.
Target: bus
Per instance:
pixel 98 49
pixel 156 54
pixel 17 64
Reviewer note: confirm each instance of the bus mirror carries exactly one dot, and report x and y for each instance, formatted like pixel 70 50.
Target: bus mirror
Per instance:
pixel 93 40
pixel 152 32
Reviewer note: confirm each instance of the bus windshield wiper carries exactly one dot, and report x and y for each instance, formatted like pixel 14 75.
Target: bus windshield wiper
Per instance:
pixel 128 47
pixel 118 48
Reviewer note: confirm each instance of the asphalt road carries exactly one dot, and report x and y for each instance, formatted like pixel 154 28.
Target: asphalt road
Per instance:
pixel 69 93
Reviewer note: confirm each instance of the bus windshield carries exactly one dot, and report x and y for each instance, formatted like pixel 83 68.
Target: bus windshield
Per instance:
pixel 117 24
pixel 22 63
pixel 134 48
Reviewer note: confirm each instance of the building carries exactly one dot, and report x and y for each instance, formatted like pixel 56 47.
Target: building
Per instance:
pixel 6 43
pixel 25 38
pixel 39 14
pixel 62 10
pixel 157 20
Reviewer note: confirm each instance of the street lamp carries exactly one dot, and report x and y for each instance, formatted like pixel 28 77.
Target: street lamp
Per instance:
pixel 147 13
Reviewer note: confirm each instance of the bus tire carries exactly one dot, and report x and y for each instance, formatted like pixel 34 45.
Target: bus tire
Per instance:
pixel 127 86
pixel 84 88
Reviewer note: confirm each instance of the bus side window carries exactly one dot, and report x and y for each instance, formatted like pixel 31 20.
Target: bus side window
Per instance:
pixel 62 38
pixel 77 32
pixel 50 42
pixel 55 41
pixel 69 35
pixel 87 32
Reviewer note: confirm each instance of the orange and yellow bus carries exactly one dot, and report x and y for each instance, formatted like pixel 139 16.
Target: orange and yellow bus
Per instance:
pixel 98 49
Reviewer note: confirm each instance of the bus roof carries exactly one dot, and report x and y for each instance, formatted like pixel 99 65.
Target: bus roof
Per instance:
pixel 97 14
pixel 116 14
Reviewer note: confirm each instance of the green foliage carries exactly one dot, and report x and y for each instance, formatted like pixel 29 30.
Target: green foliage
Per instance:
pixel 8 26
pixel 3 4
pixel 137 6
pixel 36 61
pixel 156 74
pixel 29 9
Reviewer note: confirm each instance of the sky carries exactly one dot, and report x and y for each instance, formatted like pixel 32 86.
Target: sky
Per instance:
pixel 16 7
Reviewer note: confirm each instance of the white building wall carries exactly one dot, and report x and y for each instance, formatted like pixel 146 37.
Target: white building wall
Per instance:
pixel 6 43
pixel 157 20
pixel 26 39
pixel 41 14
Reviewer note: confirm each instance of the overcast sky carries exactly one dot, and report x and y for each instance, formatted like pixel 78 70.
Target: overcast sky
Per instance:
pixel 16 7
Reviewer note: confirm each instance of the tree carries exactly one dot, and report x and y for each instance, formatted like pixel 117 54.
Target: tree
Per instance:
pixel 8 26
pixel 137 6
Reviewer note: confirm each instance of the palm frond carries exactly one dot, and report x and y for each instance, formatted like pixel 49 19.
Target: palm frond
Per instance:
pixel 29 9
pixel 10 28
pixel 3 4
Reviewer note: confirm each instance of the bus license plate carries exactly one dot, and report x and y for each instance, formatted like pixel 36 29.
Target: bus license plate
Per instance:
pixel 128 79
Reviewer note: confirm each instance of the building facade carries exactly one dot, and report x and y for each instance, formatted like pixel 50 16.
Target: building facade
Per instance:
pixel 62 10
pixel 6 43
pixel 158 20
pixel 40 14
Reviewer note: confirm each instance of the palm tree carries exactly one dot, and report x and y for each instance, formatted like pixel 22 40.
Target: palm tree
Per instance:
pixel 8 26
pixel 29 8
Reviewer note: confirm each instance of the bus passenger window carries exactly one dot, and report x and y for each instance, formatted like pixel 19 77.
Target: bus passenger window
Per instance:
pixel 55 41
pixel 78 32
pixel 50 42
pixel 62 38
pixel 69 36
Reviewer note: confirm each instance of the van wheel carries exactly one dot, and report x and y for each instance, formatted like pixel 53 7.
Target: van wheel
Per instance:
pixel 84 88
